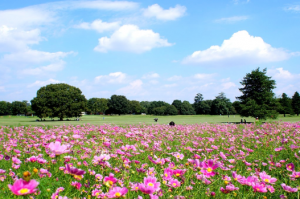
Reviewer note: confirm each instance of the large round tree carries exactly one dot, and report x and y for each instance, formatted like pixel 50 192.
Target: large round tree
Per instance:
pixel 59 100
pixel 258 97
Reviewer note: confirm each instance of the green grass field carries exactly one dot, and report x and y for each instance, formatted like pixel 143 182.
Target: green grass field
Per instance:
pixel 133 119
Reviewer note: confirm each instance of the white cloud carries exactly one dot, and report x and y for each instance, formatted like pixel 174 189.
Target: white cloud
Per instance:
pixel 204 76
pixel 44 70
pixel 295 8
pixel 159 13
pixel 133 89
pixel 232 19
pixel 43 83
pixel 228 85
pixel 174 78
pixel 240 1
pixel 170 85
pixel 240 49
pixel 131 38
pixel 112 78
pixel 280 73
pixel 99 26
pixel 150 76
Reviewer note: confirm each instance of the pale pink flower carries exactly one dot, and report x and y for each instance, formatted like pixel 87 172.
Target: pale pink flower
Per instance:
pixel 22 187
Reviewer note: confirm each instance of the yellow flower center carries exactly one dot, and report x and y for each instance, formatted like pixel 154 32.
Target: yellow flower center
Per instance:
pixel 226 182
pixel 110 182
pixel 166 174
pixel 209 169
pixel 136 188
pixel 118 194
pixel 24 191
pixel 257 189
pixel 150 184
pixel 97 194
pixel 267 180
pixel 174 184
pixel 78 177
pixel 177 174
pixel 178 156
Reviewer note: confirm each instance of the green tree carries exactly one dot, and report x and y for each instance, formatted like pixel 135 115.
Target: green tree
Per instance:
pixel 258 98
pixel 135 107
pixel 171 110
pixel 187 108
pixel 296 103
pixel 237 106
pixel 118 104
pixel 5 108
pixel 155 104
pixel 59 100
pixel 145 105
pixel 18 107
pixel 221 105
pixel 286 104
pixel 159 110
pixel 177 103
pixel 97 105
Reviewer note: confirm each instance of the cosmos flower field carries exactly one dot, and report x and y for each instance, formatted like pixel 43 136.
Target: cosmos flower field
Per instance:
pixel 151 161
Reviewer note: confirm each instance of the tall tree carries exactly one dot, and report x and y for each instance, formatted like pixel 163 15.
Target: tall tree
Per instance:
pixel 145 105
pixel 156 104
pixel 286 104
pixel 118 104
pixel 296 103
pixel 5 108
pixel 171 110
pixel 177 103
pixel 97 105
pixel 221 105
pixel 258 98
pixel 187 108
pixel 59 100
pixel 18 107
pixel 135 107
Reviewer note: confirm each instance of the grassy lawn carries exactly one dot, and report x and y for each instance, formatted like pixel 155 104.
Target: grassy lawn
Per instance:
pixel 133 119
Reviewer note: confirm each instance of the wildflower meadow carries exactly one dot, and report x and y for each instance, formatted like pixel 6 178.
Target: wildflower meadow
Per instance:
pixel 151 161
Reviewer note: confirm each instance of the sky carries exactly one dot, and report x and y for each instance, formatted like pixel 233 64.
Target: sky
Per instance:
pixel 147 50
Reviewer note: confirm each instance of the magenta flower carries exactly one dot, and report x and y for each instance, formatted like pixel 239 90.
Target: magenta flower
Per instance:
pixel 74 171
pixel 178 172
pixel 295 174
pixel 76 184
pixel 290 167
pixel 149 186
pixel 288 188
pixel 259 187
pixel 229 188
pixel 168 174
pixel 21 187
pixel 110 180
pixel 57 148
pixel 174 183
pixel 117 192
pixel 267 178
pixel 208 168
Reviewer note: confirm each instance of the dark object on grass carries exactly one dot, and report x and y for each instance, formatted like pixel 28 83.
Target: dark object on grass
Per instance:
pixel 241 121
pixel 155 119
pixel 245 121
pixel 172 123
pixel 37 120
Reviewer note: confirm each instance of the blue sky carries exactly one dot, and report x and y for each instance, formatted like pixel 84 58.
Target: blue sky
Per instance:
pixel 147 50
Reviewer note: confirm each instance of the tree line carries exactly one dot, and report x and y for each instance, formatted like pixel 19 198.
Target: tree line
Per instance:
pixel 65 101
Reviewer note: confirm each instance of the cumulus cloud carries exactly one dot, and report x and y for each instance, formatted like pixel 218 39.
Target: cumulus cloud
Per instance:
pixel 134 88
pixel 295 8
pixel 99 26
pixel 203 76
pixel 281 74
pixel 150 76
pixel 132 39
pixel 174 78
pixel 44 70
pixel 111 78
pixel 232 19
pixel 43 83
pixel 240 49
pixel 159 13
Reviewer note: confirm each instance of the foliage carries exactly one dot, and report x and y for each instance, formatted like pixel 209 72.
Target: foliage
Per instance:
pixel 221 105
pixel 237 106
pixel 156 104
pixel 97 105
pixel 286 104
pixel 135 107
pixel 59 100
pixel 159 110
pixel 187 108
pixel 258 98
pixel 177 103
pixel 145 105
pixel 5 108
pixel 296 103
pixel 118 104
pixel 18 107
pixel 171 110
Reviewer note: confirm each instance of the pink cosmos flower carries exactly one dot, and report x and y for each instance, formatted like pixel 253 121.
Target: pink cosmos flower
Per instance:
pixel 96 192
pixel 57 148
pixel 288 188
pixel 208 168
pixel 76 184
pixel 117 192
pixel 168 174
pixel 110 180
pixel 229 188
pixel 290 167
pixel 174 183
pixel 179 172
pixel 77 173
pixel 149 186
pixel 295 174
pixel 259 187
pixel 16 160
pixel 267 178
pixel 21 187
